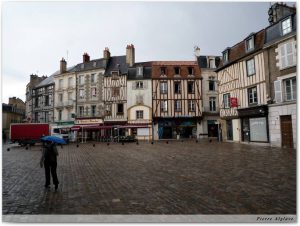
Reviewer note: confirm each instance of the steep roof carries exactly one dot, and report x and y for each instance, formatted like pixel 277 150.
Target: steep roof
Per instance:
pixel 238 51
pixel 116 63
pixel 147 70
pixel 69 69
pixel 45 82
pixel 100 63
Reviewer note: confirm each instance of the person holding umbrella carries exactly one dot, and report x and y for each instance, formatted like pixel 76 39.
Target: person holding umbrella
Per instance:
pixel 49 161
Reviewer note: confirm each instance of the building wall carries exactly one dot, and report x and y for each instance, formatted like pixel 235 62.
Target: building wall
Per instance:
pixel 88 99
pixel 133 92
pixel 274 122
pixel 68 104
pixel 236 129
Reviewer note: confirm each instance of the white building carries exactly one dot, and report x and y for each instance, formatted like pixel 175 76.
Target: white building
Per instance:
pixel 139 101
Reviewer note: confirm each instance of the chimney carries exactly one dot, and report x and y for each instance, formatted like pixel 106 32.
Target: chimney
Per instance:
pixel 197 51
pixel 106 53
pixel 86 58
pixel 63 66
pixel 130 55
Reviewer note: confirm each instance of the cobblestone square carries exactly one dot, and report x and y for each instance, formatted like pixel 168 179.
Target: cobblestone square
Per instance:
pixel 160 178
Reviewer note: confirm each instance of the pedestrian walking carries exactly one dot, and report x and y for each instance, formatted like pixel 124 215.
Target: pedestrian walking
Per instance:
pixel 49 161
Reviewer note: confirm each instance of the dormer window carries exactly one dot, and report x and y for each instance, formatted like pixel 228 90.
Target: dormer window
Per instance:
pixel 286 26
pixel 162 70
pixel 139 71
pixel 212 63
pixel 250 44
pixel 177 70
pixel 191 70
pixel 225 56
pixel 115 74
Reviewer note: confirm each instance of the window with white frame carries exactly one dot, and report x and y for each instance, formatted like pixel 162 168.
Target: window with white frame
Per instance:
pixel 177 87
pixel 191 87
pixel 81 94
pixel 81 110
pixel 250 67
pixel 70 82
pixel 93 78
pixel 94 91
pixel 164 105
pixel 60 83
pixel 139 71
pixel 163 87
pixel 286 26
pixel 191 105
pixel 139 114
pixel 252 95
pixel 287 55
pixel 290 89
pixel 212 104
pixel 139 85
pixel 225 56
pixel 250 44
pixel 81 79
pixel 177 105
pixel 226 100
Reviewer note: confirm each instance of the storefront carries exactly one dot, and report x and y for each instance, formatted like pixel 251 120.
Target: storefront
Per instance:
pixel 254 124
pixel 177 128
pixel 212 128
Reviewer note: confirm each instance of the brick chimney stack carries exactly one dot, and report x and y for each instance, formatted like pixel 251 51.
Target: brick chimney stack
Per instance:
pixel 106 53
pixel 130 55
pixel 86 58
pixel 63 66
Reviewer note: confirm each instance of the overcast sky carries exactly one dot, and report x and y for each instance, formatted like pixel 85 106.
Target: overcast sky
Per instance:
pixel 36 35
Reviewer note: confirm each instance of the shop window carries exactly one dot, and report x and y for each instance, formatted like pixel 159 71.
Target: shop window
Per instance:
pixel 163 87
pixel 177 105
pixel 252 95
pixel 250 67
pixel 191 105
pixel 226 100
pixel 139 114
pixel 120 109
pixel 177 87
pixel 191 87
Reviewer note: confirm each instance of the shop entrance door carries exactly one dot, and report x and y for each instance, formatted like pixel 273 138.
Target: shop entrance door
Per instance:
pixel 229 130
pixel 212 128
pixel 246 129
pixel 167 132
pixel 286 131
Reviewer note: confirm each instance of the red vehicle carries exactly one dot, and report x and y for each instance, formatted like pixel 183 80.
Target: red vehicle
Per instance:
pixel 28 133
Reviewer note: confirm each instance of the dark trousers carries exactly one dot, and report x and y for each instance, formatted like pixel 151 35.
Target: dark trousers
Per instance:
pixel 50 167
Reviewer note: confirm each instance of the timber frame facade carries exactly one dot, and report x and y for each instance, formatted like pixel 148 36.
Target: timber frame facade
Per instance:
pixel 176 99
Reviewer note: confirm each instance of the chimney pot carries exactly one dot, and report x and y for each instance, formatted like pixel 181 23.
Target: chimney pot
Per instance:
pixel 86 58
pixel 63 66
pixel 130 55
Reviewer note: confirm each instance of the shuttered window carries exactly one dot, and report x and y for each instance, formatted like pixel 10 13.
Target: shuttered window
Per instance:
pixel 287 55
pixel 278 93
pixel 290 89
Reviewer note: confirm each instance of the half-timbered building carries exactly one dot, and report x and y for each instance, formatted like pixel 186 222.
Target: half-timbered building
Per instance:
pixel 176 99
pixel 243 92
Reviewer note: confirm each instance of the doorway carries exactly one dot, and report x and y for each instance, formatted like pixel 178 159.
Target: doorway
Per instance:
pixel 229 130
pixel 286 131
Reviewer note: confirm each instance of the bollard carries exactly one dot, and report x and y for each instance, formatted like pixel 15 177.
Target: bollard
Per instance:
pixel 167 142
pixel 137 143
pixel 181 140
pixel 26 148
pixel 152 142
pixel 77 145
pixel 122 143
pixel 210 141
pixel 93 145
pixel 107 144
pixel 8 149
pixel 196 141
pixel 61 147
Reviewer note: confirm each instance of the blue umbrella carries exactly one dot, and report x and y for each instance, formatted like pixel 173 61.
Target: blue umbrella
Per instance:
pixel 54 139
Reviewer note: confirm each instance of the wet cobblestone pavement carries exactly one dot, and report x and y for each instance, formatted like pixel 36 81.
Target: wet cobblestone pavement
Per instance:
pixel 159 178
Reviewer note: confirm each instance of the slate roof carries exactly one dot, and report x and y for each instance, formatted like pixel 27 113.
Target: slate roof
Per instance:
pixel 273 32
pixel 116 63
pixel 147 70
pixel 45 82
pixel 69 69
pixel 93 64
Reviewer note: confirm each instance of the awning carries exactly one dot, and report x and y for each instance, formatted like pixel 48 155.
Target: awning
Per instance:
pixel 135 126
pixel 89 127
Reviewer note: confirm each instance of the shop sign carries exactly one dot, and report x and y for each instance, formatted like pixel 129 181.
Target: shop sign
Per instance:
pixel 88 121
pixel 233 102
